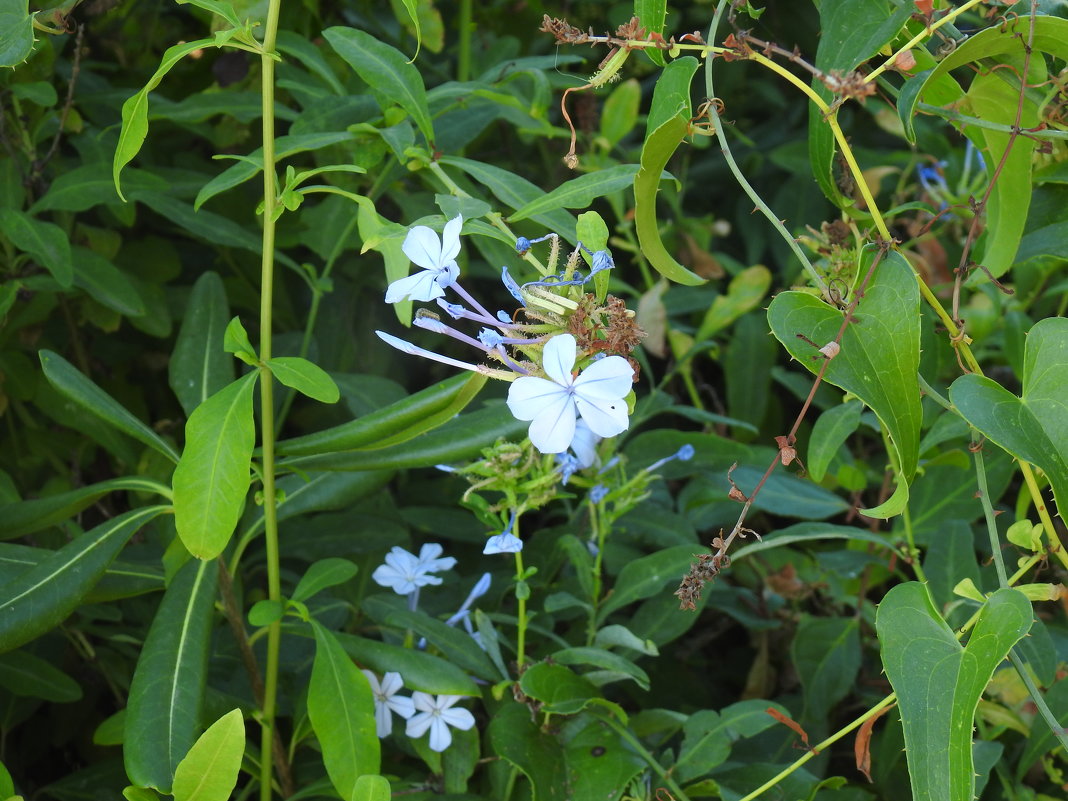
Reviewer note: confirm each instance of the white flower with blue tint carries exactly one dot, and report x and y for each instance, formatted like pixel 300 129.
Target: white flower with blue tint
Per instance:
pixel 404 572
pixel 505 542
pixel 436 256
pixel 554 404
pixel 387 701
pixel 436 715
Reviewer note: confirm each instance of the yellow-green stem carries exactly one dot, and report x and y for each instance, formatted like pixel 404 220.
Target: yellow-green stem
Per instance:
pixel 1055 544
pixel 915 40
pixel 521 623
pixel 274 585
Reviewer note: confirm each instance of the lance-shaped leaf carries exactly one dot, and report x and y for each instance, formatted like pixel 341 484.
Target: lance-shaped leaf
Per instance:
pixel 1033 427
pixel 306 377
pixel 199 367
pixel 579 192
pixel 45 241
pixel 163 714
pixel 41 598
pixel 879 357
pixel 212 478
pixel 209 771
pixel 939 682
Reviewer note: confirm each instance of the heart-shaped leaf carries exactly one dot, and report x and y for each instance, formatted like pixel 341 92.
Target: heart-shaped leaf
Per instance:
pixel 938 682
pixel 879 357
pixel 1034 427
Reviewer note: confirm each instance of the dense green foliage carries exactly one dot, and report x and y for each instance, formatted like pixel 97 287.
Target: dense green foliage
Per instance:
pixel 828 242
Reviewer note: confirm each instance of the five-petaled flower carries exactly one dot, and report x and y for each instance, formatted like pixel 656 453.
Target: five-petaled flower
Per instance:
pixel 405 572
pixel 436 257
pixel 554 405
pixel 387 701
pixel 436 715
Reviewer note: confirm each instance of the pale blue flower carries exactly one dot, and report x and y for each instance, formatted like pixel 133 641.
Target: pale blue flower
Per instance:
pixel 598 493
pixel 436 715
pixel 554 404
pixel 387 701
pixel 436 256
pixel 404 572
pixel 505 542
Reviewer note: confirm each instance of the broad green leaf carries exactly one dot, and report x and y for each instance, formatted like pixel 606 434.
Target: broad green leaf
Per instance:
pixel 949 558
pixel 41 598
pixel 658 148
pixel 46 242
pixel 744 293
pixel 105 283
pixel 396 423
pixel 212 477
pixel 811 532
pixel 386 71
pixel 306 377
pixel 647 575
pixel 26 517
pixel 606 660
pixel 599 763
pixel 652 14
pixel 16 35
pixel 135 109
pixel 322 575
pixel 709 735
pixel 199 367
pixel 533 751
pixel 826 654
pixel 833 427
pixel 206 225
pixel 579 192
pixel 302 49
pixel 879 357
pixel 747 364
pixel 671 95
pixel 140 794
pixel 938 682
pixel 560 689
pixel 342 712
pixel 209 771
pixel 620 112
pixel 163 711
pixel 1033 427
pixel 786 495
pixel 22 673
pixel 421 671
pixel 120 580
pixel 372 788
pixel 90 185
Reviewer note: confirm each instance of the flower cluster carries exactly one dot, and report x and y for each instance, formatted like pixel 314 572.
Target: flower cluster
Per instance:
pixel 537 348
pixel 423 711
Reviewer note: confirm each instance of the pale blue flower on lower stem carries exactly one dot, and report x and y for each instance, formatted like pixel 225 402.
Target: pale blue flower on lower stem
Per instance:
pixel 387 701
pixel 405 573
pixel 505 542
pixel 436 715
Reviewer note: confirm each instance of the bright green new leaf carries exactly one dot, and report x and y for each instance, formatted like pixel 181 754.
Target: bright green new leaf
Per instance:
pixel 372 788
pixel 322 575
pixel 16 37
pixel 671 95
pixel 342 713
pixel 879 357
pixel 579 192
pixel 45 241
pixel 163 712
pixel 652 14
pixel 306 377
pixel 561 689
pixel 1033 427
pixel 42 597
pixel 209 771
pixel 212 478
pixel 223 9
pixel 199 367
pixel 135 109
pixel 392 77
pixel 66 378
pixel 236 341
pixel 938 682
pixel 656 151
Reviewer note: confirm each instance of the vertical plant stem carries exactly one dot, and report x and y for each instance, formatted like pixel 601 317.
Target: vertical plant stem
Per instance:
pixel 270 516
pixel 521 598
pixel 463 62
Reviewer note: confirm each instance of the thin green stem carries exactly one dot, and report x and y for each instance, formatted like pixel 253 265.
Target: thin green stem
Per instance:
pixel 1055 545
pixel 915 40
pixel 914 554
pixel 463 61
pixel 274 584
pixel 521 593
pixel 988 513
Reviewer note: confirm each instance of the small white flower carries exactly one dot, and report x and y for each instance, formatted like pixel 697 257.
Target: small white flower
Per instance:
pixel 435 714
pixel 505 542
pixel 404 572
pixel 436 256
pixel 584 445
pixel 387 701
pixel 554 405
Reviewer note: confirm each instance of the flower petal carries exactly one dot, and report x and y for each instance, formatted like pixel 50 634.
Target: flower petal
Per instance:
pixel 423 247
pixel 383 720
pixel 529 395
pixel 558 357
pixel 402 705
pixel 608 379
pixel 424 702
pixel 450 240
pixel 584 445
pixel 391 683
pixel 503 543
pixel 606 418
pixel 458 718
pixel 418 286
pixel 554 427
pixel 440 736
pixel 418 724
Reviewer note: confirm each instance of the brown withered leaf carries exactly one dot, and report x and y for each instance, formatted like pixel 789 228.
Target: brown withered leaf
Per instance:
pixel 861 745
pixel 793 725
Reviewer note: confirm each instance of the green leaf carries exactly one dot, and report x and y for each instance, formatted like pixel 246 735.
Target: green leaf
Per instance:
pixel 120 580
pixel 372 788
pixel 658 148
pixel 209 771
pixel 42 597
pixel 579 192
pixel 826 654
pixel 199 366
pixel 606 660
pixel 322 575
pixel 1034 427
pixel 393 424
pixel 560 689
pixel 950 558
pixel 44 241
pixel 830 432
pixel 26 517
pixel 212 477
pixel 90 185
pixel 23 674
pixel 223 9
pixel 620 112
pixel 454 644
pixel 105 283
pixel 70 382
pixel 7 786
pixel 811 532
pixel 163 711
pixel 341 709
pixel 709 735
pixel 647 575
pixel 310 56
pixel 421 671
pixel 879 358
pixel 16 35
pixel 305 377
pixel 135 109
pixel 537 753
pixel 939 683
pixel 671 95
pixel 386 71
pixel 236 341
pixel 744 293
pixel 652 14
